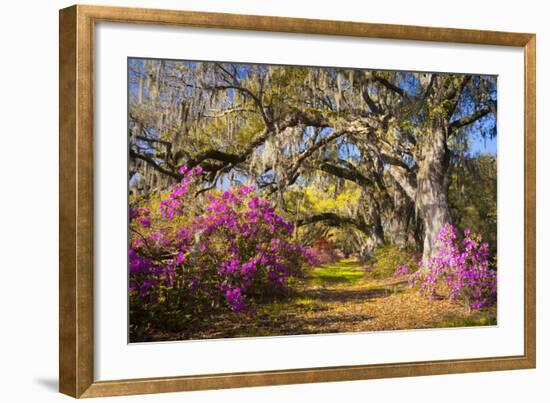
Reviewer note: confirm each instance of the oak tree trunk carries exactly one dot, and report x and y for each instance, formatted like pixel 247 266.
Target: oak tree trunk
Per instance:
pixel 400 218
pixel 433 185
pixel 377 229
pixel 373 211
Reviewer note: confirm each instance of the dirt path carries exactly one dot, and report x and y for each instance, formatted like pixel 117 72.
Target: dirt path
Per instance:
pixel 343 297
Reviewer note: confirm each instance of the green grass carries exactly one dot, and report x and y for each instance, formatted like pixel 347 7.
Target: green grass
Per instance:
pixel 345 272
pixel 479 319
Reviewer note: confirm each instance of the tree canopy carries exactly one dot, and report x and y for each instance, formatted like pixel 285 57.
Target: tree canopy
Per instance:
pixel 368 157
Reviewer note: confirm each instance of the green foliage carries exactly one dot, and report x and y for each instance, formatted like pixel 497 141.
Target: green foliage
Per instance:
pixel 323 198
pixel 285 86
pixel 211 134
pixel 387 259
pixel 473 196
pixel 319 197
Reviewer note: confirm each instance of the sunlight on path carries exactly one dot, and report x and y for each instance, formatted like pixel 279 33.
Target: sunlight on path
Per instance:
pixel 344 297
pixel 346 272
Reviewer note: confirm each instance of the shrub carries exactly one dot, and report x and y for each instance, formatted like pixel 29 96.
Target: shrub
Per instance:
pixel 461 270
pixel 390 260
pixel 188 259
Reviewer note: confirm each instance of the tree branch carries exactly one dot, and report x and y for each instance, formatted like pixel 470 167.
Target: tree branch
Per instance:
pixel 371 104
pixel 254 97
pixel 154 164
pixel 389 85
pixel 404 180
pixel 226 112
pixel 151 140
pixel 467 120
pixel 455 93
pixel 334 220
pixel 216 155
pixel 346 173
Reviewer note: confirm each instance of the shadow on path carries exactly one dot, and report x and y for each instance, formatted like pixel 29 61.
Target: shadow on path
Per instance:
pixel 343 295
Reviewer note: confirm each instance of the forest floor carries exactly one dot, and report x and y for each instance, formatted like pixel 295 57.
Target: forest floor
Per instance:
pixel 344 297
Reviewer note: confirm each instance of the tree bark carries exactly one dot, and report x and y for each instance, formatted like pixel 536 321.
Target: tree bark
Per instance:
pixel 377 229
pixel 433 185
pixel 400 217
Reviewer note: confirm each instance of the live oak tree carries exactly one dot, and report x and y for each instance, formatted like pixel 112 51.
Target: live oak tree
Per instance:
pixel 392 134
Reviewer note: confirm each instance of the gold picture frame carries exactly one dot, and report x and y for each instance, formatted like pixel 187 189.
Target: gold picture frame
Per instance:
pixel 76 352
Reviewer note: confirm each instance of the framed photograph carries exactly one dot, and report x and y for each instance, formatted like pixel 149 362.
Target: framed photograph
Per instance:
pixel 249 200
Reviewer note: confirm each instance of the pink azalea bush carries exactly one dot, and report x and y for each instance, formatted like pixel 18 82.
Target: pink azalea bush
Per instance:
pixel 192 256
pixel 324 251
pixel 461 269
pixel 402 270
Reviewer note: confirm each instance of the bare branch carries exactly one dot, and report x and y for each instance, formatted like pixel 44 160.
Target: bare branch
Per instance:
pixel 154 164
pixel 389 85
pixel 467 120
